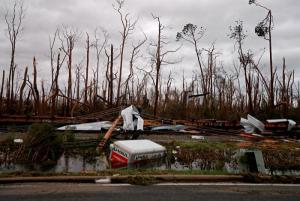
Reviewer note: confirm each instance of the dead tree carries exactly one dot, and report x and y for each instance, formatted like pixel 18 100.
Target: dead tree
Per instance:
pixel 43 104
pixel 1 92
pixel 285 98
pixel 192 34
pixel 105 87
pixel 209 79
pixel 127 28
pixel 159 58
pixel 158 62
pixel 99 48
pixel 77 83
pixel 245 59
pixel 110 75
pixel 22 89
pixel 67 45
pixel 111 72
pixel 134 53
pixel 52 55
pixel 264 29
pixel 14 20
pixel 87 66
pixel 35 88
pixel 55 86
pixel 168 90
pixel 56 62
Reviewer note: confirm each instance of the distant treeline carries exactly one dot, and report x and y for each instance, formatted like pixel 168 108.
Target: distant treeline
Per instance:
pixel 212 92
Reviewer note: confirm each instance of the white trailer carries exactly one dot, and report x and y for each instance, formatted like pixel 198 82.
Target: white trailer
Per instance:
pixel 127 152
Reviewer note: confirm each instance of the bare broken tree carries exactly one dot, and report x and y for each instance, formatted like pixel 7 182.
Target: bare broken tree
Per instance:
pixel 264 29
pixel 56 62
pixel 110 75
pixel 238 34
pixel 192 34
pixel 285 97
pixel 35 88
pixel 52 53
pixel 1 92
pixel 159 58
pixel 22 89
pixel 68 39
pixel 127 28
pixel 134 54
pixel 55 86
pixel 99 46
pixel 14 19
pixel 87 66
pixel 252 79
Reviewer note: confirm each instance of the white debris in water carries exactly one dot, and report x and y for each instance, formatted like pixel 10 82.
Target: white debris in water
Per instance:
pixel 197 137
pixel 18 141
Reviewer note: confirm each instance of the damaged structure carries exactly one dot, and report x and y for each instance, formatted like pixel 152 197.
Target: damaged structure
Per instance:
pixel 252 125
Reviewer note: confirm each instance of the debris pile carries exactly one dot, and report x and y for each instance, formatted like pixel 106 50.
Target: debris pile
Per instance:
pixel 94 126
pixel 253 126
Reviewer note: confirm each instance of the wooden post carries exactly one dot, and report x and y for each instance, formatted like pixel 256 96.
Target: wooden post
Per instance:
pixel 109 132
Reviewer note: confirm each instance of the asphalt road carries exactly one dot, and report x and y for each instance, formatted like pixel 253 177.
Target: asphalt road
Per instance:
pixel 76 192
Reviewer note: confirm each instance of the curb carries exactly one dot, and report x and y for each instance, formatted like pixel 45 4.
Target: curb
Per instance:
pixel 65 179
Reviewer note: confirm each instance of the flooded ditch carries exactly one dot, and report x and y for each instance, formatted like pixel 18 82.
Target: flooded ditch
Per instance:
pixel 179 159
pixel 46 151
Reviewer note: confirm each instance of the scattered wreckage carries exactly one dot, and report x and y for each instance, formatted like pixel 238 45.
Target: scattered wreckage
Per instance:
pixel 133 152
pixel 87 127
pixel 254 126
pixel 133 125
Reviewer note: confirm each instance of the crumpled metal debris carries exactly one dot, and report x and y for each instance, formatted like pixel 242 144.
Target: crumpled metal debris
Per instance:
pixel 251 124
pixel 169 128
pixel 93 126
pixel 132 119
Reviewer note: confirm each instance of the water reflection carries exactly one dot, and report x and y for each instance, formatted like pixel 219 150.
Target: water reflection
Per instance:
pixel 81 164
pixel 78 163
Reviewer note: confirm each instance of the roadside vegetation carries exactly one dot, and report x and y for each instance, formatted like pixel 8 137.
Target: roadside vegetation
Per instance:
pixel 42 147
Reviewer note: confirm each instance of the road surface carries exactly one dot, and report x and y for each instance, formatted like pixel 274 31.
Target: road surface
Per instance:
pixel 96 192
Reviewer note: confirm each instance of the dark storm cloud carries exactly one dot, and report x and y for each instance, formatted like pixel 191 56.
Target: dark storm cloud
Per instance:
pixel 43 17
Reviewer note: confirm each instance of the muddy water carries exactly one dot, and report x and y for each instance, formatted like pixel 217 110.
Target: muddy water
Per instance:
pixel 79 164
pixel 76 164
pixel 65 164
pixel 73 164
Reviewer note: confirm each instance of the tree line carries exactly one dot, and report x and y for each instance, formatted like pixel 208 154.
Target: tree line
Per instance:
pixel 212 92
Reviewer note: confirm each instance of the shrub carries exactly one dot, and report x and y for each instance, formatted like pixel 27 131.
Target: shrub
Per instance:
pixel 42 145
pixel 205 155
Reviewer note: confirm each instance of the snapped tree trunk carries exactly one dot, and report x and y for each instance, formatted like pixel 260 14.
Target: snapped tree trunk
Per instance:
pixel 35 88
pixel 22 90
pixel 1 92
pixel 158 64
pixel 87 68
pixel 111 74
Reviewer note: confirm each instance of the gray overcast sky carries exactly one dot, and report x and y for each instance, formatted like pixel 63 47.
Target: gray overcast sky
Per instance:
pixel 44 16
